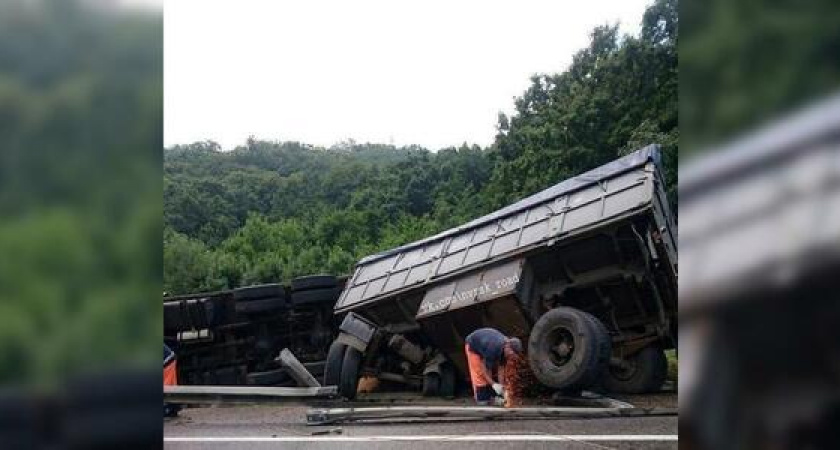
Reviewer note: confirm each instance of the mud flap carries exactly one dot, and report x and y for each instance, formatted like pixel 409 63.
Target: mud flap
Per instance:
pixel 356 332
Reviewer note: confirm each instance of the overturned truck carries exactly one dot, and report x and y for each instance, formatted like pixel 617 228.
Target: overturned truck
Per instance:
pixel 584 272
pixel 233 337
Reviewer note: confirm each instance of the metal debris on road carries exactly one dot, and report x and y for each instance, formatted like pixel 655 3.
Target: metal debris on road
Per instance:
pixel 340 415
pixel 297 370
pixel 330 431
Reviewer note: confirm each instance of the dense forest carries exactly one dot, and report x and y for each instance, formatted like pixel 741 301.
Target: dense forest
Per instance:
pixel 81 131
pixel 744 63
pixel 270 211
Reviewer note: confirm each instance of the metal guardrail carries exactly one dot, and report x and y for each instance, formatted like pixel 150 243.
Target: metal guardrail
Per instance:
pixel 341 415
pixel 243 394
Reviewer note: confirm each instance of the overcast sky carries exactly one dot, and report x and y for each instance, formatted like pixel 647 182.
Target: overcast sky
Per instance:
pixel 433 73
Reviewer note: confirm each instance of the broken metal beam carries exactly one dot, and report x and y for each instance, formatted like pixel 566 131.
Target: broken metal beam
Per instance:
pixel 243 394
pixel 339 415
pixel 297 370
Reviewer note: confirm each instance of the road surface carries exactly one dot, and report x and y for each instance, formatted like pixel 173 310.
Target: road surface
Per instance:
pixel 271 427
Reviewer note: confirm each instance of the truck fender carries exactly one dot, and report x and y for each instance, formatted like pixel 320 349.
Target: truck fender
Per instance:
pixel 357 332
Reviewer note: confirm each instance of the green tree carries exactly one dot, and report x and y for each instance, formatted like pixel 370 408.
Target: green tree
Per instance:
pixel 270 211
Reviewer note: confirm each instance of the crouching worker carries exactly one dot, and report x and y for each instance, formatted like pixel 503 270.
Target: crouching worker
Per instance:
pixel 170 378
pixel 488 352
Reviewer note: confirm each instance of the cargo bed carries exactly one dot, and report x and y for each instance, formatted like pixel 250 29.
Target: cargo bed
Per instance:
pixel 584 272
pixel 627 186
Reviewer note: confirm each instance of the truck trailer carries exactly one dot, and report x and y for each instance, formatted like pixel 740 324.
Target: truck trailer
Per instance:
pixel 584 272
pixel 233 337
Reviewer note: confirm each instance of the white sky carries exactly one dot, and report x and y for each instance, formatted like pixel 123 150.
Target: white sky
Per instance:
pixel 434 73
pixel 154 5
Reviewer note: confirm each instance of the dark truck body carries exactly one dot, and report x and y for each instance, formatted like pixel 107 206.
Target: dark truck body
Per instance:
pixel 603 242
pixel 232 337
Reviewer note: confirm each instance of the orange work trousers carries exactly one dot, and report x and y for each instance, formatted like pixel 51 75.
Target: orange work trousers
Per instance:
pixel 170 374
pixel 482 390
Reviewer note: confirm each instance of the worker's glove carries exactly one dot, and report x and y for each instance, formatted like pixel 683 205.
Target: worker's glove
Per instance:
pixel 500 391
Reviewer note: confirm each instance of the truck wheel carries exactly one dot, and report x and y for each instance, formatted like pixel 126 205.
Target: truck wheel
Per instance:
pixel 268 378
pixel 314 282
pixel 567 349
pixel 431 384
pixel 350 373
pixel 604 351
pixel 643 372
pixel 328 295
pixel 260 306
pixel 335 358
pixel 260 291
pixel 173 318
pixel 447 381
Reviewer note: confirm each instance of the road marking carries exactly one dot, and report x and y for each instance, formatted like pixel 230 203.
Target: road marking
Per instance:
pixel 459 438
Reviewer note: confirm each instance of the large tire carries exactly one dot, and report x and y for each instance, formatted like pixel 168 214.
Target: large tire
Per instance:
pixel 173 318
pixel 260 291
pixel 201 312
pixel 349 382
pixel 335 359
pixel 314 282
pixel 316 368
pixel 313 296
pixel 431 384
pixel 268 378
pixel 604 351
pixel 645 372
pixel 447 381
pixel 228 376
pixel 182 315
pixel 260 306
pixel 567 349
pixel 214 311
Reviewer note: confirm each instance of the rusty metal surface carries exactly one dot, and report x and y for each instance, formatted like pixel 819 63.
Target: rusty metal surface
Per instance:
pixel 622 188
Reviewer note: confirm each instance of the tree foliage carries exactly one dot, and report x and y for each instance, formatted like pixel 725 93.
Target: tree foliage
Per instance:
pixel 269 211
pixel 747 62
pixel 619 94
pixel 80 130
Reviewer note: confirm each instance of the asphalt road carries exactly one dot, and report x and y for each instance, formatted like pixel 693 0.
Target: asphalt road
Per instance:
pixel 270 427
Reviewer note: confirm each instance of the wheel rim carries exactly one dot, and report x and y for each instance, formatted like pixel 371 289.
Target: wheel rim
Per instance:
pixel 561 346
pixel 626 371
